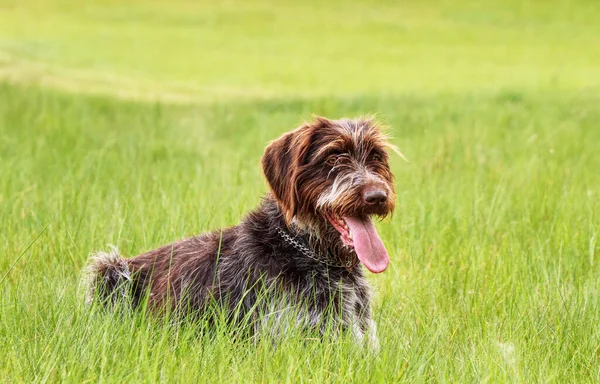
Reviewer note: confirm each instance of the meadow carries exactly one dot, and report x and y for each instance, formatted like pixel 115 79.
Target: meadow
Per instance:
pixel 140 124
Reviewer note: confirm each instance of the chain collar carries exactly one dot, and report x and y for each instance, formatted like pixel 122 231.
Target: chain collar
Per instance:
pixel 294 242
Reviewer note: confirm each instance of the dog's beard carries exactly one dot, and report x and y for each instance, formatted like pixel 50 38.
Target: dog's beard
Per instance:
pixel 353 223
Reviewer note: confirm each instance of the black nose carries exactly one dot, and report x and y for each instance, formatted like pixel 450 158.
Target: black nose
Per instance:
pixel 375 197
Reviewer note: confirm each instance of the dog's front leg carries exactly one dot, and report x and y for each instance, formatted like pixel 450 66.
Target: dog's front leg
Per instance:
pixel 372 338
pixel 365 330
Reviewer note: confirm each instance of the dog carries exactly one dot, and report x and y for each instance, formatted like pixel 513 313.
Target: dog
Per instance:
pixel 298 253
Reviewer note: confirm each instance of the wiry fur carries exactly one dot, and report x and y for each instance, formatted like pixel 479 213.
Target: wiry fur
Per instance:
pixel 319 169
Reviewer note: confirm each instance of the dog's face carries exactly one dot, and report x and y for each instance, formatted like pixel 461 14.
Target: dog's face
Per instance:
pixel 335 173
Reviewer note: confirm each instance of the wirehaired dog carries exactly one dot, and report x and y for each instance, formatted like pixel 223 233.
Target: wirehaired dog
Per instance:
pixel 298 253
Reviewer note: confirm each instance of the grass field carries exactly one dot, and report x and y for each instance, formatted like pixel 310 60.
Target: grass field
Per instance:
pixel 138 125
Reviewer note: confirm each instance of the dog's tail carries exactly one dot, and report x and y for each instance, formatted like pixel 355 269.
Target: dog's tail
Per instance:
pixel 106 277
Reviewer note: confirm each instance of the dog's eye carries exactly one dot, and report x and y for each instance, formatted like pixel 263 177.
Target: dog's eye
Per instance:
pixel 331 160
pixel 375 157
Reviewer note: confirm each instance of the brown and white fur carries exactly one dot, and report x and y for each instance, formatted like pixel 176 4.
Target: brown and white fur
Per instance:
pixel 328 178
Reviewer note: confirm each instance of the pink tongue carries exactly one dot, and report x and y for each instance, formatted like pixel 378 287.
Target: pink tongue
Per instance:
pixel 368 244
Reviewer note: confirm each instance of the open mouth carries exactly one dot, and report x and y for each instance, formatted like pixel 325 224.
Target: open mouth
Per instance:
pixel 360 234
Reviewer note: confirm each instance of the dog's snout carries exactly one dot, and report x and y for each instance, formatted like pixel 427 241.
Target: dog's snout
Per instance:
pixel 374 196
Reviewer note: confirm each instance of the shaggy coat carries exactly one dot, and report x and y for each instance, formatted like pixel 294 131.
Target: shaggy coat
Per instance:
pixel 296 257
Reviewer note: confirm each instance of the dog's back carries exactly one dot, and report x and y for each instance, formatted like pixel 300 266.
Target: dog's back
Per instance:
pixel 164 276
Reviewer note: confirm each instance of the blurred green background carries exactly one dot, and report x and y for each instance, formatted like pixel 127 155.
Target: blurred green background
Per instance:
pixel 189 50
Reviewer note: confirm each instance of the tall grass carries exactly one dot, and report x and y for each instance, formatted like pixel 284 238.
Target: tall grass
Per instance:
pixel 494 273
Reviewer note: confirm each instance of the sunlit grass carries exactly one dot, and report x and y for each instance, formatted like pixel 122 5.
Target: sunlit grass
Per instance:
pixel 186 51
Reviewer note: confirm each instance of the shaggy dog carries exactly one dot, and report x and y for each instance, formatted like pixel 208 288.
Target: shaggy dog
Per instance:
pixel 298 254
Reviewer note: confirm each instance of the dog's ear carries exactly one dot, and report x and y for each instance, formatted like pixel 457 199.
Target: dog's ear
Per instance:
pixel 281 162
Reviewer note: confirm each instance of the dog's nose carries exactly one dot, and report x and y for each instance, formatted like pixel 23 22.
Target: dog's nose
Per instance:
pixel 374 196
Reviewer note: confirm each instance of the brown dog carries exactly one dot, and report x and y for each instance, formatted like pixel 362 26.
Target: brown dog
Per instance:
pixel 296 255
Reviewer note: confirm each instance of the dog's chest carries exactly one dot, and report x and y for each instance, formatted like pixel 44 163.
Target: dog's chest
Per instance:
pixel 340 299
pixel 319 304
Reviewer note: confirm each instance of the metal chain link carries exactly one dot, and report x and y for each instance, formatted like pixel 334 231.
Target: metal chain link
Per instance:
pixel 310 254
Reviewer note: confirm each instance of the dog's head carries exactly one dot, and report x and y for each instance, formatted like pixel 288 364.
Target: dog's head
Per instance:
pixel 335 173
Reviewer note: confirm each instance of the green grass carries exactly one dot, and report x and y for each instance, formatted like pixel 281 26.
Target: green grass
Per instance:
pixel 495 274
